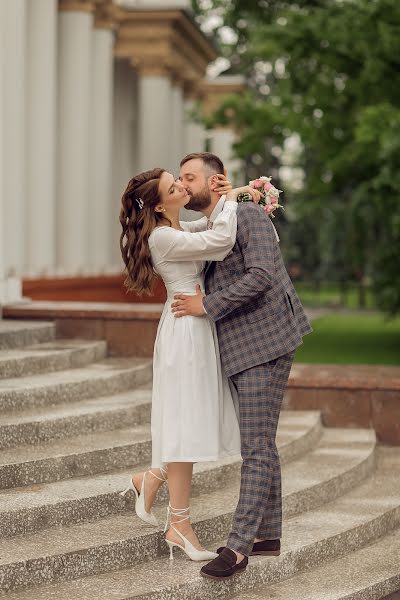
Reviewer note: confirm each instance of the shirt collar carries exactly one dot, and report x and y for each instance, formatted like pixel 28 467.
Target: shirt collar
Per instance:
pixel 217 209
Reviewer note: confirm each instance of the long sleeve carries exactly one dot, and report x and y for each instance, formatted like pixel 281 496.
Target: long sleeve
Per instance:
pixel 256 237
pixel 195 226
pixel 212 244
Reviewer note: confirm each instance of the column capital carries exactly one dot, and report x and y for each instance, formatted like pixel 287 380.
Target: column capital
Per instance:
pixel 163 42
pixel 76 5
pixel 105 16
pixel 215 91
pixel 192 89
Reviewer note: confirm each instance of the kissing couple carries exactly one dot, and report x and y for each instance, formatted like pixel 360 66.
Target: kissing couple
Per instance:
pixel 223 352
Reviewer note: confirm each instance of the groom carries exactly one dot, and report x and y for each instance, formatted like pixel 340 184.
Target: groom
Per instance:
pixel 260 323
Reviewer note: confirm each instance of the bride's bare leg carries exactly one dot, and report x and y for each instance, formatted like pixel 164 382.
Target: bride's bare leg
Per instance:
pixel 152 485
pixel 179 484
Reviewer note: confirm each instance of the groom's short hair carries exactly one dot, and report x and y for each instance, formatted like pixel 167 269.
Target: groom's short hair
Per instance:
pixel 212 161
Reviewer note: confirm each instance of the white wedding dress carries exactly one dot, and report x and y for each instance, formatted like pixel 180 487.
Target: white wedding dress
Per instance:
pixel 193 416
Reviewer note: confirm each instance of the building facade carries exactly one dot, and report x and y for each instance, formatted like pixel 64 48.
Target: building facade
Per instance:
pixel 91 92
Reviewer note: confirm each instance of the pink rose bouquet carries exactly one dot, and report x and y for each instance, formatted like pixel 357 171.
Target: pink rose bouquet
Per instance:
pixel 269 193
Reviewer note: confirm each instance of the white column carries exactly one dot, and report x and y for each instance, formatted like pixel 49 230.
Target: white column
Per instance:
pixel 100 152
pixel 194 135
pixel 178 115
pixel 155 131
pixel 125 153
pixel 193 141
pixel 73 187
pixel 14 138
pixel 2 60
pixel 222 140
pixel 41 123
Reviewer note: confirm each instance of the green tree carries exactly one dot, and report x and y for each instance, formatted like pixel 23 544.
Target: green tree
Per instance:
pixel 328 71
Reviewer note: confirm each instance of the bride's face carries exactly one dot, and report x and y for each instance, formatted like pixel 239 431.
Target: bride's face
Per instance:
pixel 173 194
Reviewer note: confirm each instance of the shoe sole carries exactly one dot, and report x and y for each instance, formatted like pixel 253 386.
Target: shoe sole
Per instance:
pixel 266 553
pixel 222 577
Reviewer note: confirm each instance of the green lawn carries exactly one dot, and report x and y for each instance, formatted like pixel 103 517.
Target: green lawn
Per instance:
pixel 329 294
pixel 362 338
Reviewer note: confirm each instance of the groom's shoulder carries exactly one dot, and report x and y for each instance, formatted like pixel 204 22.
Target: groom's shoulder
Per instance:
pixel 249 213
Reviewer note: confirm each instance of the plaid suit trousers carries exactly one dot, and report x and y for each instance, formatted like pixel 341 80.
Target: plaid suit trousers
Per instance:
pixel 259 511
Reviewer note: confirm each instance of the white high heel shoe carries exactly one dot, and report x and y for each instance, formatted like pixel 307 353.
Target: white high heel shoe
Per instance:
pixel 140 498
pixel 188 548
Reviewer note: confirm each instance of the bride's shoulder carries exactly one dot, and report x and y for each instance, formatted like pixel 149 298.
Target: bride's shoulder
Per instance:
pixel 159 228
pixel 163 234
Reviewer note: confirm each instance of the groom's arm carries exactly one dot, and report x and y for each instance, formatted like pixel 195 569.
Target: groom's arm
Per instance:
pixel 256 238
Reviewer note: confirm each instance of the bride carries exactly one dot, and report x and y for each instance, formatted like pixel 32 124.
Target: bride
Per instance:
pixel 193 417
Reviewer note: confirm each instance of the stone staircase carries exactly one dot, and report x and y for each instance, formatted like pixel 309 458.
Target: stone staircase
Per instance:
pixel 74 425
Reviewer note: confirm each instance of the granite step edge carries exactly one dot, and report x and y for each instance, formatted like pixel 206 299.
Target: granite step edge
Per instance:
pixel 101 378
pixel 125 538
pixel 104 413
pixel 17 334
pixel 56 355
pixel 80 507
pixel 367 573
pixel 310 540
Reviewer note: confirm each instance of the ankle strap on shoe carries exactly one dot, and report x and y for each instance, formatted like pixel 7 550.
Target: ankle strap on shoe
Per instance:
pixel 163 474
pixel 177 512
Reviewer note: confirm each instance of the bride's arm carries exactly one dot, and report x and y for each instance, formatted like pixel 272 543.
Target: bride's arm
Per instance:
pixel 212 244
pixel 195 226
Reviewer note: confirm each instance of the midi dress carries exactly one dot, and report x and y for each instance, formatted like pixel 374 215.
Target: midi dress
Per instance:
pixel 194 417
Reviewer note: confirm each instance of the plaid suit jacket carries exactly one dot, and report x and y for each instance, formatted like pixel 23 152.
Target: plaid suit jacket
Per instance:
pixel 251 298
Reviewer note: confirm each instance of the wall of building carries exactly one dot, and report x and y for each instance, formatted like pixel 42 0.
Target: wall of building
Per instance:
pixel 89 95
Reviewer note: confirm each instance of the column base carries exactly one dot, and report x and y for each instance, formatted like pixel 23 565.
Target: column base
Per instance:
pixel 10 290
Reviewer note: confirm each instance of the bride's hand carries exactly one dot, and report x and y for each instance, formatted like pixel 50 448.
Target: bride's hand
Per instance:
pixel 220 184
pixel 246 189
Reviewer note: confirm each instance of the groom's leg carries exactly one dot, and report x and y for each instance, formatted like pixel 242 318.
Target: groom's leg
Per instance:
pixel 260 390
pixel 271 522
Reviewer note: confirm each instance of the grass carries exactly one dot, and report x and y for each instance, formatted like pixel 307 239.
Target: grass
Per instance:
pixel 359 338
pixel 329 294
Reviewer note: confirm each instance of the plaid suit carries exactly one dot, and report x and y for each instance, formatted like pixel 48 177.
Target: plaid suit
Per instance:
pixel 260 323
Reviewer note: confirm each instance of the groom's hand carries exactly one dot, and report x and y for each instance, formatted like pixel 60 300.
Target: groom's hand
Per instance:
pixel 189 305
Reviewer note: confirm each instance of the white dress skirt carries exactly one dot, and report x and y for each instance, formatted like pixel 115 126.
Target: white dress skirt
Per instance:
pixel 194 417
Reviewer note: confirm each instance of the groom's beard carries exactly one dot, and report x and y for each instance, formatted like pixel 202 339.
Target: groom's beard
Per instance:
pixel 199 201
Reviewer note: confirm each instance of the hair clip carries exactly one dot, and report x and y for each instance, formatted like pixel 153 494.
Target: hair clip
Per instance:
pixel 140 202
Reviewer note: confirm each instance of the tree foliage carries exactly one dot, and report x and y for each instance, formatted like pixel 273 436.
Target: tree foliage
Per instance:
pixel 329 71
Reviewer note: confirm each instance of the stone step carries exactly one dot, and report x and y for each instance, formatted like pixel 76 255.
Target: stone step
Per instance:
pixel 50 356
pixel 98 452
pixel 16 334
pixel 96 415
pixel 73 457
pixel 106 377
pixel 121 541
pixel 367 573
pixel 33 508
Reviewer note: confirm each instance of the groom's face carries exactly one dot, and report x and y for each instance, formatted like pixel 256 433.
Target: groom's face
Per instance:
pixel 195 178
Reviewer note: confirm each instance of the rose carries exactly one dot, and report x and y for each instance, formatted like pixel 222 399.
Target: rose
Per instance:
pixel 269 200
pixel 257 184
pixel 274 192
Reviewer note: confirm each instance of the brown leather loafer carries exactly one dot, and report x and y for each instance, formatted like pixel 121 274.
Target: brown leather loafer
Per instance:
pixel 265 548
pixel 224 566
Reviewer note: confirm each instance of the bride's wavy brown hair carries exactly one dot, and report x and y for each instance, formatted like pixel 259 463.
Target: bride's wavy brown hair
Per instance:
pixel 138 219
